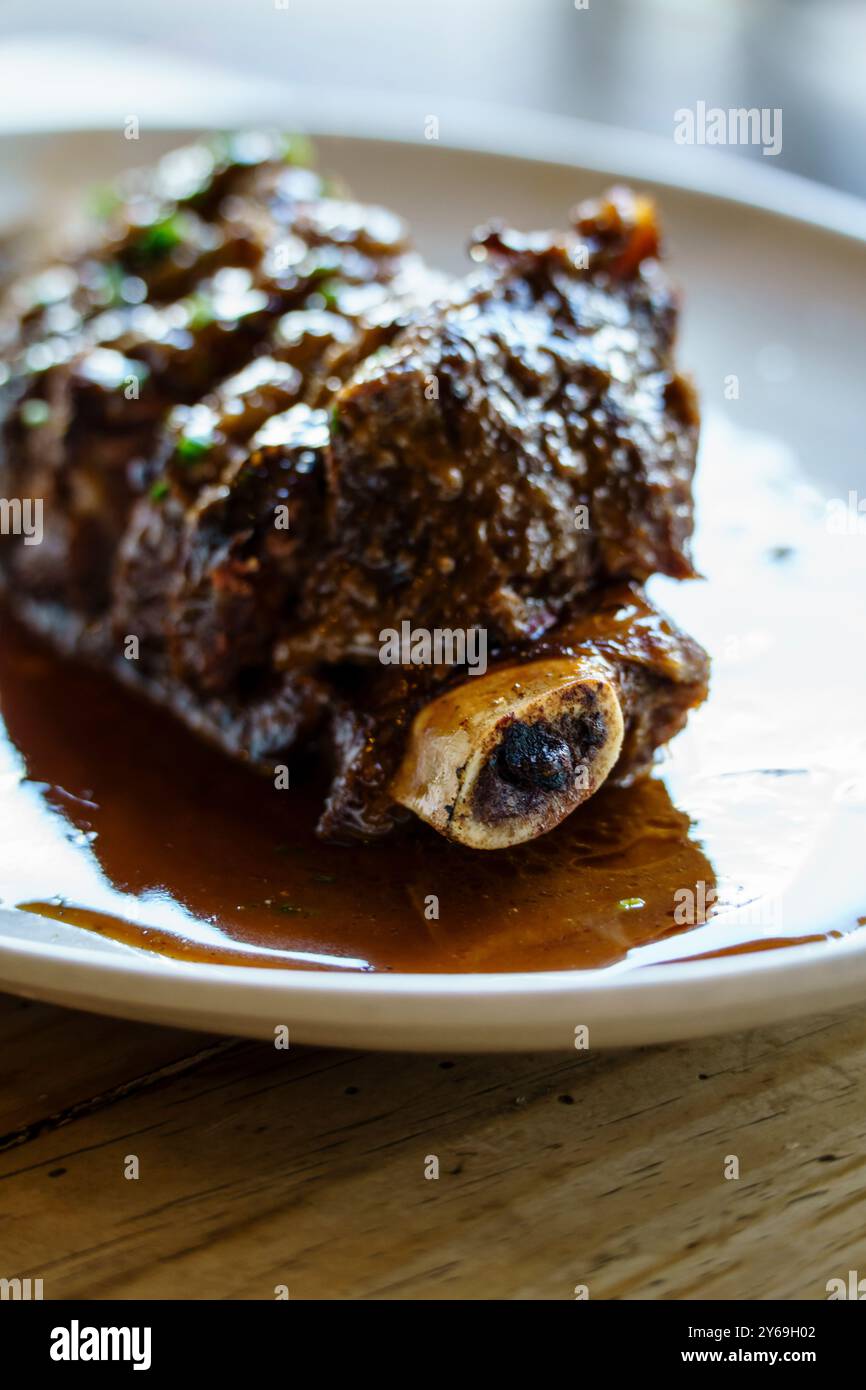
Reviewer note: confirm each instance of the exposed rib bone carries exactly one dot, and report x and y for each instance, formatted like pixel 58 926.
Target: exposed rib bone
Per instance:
pixel 504 757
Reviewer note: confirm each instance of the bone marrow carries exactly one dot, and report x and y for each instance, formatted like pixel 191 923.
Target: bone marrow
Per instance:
pixel 261 431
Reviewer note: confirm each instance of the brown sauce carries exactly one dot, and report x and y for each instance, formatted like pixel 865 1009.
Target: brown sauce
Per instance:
pixel 168 831
pixel 114 818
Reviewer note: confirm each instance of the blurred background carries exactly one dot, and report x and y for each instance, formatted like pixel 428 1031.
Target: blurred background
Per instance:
pixel 628 63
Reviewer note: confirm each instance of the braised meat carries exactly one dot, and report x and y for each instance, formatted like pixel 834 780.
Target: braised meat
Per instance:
pixel 263 431
pixel 219 257
pixel 535 431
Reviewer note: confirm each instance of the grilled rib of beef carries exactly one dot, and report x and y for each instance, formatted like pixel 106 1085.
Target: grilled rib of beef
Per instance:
pixel 239 344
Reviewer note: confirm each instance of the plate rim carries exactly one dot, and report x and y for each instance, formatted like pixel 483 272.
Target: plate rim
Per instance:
pixel 491 129
pixel 698 971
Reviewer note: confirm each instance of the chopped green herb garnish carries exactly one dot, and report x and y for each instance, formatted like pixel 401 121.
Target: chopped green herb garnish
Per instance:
pixel 292 910
pixel 324 878
pixel 297 149
pixel 112 276
pixel 103 202
pixel 159 490
pixel 34 413
pixel 628 904
pixel 328 289
pixel 219 146
pixel 239 147
pixel 189 447
pixel 156 241
pixel 201 310
pixel 320 266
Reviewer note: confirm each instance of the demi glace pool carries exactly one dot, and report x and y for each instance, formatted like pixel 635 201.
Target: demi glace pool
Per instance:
pixel 114 818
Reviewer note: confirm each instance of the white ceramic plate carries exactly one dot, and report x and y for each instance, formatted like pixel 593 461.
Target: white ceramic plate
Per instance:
pixel 775 278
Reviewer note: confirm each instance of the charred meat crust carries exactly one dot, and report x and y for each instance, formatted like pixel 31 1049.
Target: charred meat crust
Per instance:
pixel 531 762
pixel 534 756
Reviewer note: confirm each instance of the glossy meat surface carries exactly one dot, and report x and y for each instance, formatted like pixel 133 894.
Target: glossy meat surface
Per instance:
pixel 263 430
pixel 535 431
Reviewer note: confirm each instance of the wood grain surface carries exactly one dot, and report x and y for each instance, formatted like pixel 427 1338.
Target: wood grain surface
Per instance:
pixel 306 1168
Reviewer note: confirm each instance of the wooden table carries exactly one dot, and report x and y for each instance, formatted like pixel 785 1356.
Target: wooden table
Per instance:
pixel 260 1168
